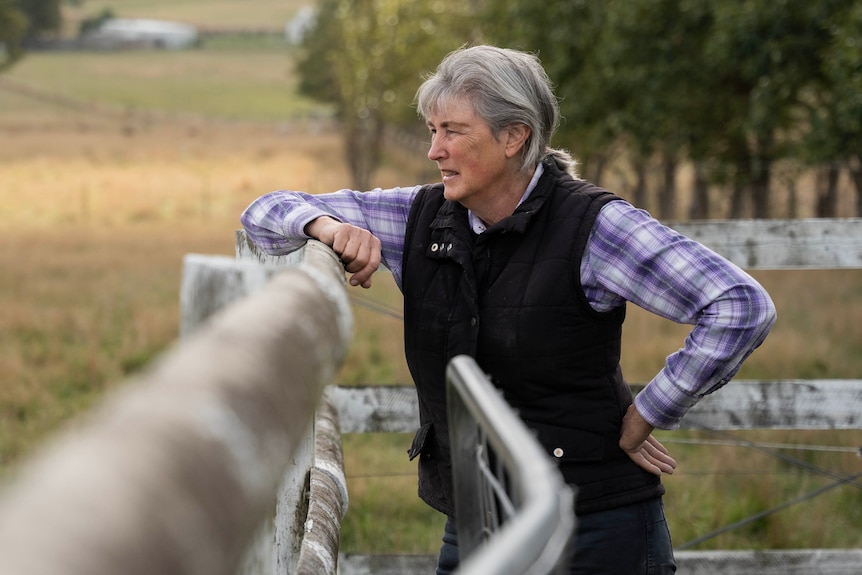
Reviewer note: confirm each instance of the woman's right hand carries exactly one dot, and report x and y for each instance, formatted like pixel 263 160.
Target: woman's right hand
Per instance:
pixel 359 249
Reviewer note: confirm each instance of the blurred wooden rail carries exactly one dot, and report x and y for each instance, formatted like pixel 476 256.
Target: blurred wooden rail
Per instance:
pixel 175 471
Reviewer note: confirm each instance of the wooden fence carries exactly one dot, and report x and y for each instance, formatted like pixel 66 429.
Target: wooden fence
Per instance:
pixel 202 463
pixel 809 244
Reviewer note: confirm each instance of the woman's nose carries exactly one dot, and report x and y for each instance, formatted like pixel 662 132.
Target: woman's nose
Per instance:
pixel 435 151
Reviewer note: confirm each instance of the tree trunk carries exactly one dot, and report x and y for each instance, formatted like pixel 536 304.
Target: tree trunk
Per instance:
pixel 739 195
pixel 667 193
pixel 792 199
pixel 594 168
pixel 856 175
pixel 363 143
pixel 760 196
pixel 699 208
pixel 827 191
pixel 639 193
pixel 738 199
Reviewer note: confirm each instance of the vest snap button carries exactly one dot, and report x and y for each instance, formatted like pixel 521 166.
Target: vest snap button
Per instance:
pixel 558 453
pixel 473 321
pixel 434 247
pixel 449 248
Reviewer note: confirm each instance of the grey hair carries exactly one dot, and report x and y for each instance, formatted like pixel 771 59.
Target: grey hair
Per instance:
pixel 505 87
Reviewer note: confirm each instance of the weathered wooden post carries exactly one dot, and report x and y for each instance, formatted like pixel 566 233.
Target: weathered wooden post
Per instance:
pixel 327 498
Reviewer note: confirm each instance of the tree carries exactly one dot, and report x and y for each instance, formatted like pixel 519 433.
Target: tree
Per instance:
pixel 627 76
pixel 22 21
pixel 566 37
pixel 720 84
pixel 834 138
pixel 13 28
pixel 730 87
pixel 766 55
pixel 43 16
pixel 367 57
pixel 661 89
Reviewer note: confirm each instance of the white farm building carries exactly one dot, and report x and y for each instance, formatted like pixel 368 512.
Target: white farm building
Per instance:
pixel 117 33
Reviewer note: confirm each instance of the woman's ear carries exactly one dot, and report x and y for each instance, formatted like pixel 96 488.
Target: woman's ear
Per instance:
pixel 516 138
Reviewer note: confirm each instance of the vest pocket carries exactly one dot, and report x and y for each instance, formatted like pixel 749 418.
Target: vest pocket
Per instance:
pixel 564 444
pixel 422 441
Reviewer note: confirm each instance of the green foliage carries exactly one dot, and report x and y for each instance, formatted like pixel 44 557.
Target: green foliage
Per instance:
pixel 13 27
pixel 566 36
pixel 42 16
pixel 367 58
pixel 94 22
pixel 835 110
pixel 728 85
pixel 21 20
pixel 732 87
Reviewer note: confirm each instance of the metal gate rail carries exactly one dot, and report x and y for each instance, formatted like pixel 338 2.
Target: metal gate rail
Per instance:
pixel 515 514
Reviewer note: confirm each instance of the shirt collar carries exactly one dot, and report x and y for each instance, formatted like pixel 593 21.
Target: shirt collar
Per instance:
pixel 479 226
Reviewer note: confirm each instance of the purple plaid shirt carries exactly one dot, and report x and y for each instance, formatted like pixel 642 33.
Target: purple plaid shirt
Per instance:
pixel 630 257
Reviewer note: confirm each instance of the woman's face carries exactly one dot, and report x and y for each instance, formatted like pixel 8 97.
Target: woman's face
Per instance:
pixel 475 165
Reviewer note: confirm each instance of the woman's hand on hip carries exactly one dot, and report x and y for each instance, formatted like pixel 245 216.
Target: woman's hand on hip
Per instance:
pixel 644 449
pixel 359 249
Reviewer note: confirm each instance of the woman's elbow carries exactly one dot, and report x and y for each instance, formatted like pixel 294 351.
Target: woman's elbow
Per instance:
pixel 762 309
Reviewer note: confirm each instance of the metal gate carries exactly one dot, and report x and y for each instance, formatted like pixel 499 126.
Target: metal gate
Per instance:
pixel 515 514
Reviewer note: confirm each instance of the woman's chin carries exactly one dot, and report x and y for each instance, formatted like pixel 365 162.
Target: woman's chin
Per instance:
pixel 450 192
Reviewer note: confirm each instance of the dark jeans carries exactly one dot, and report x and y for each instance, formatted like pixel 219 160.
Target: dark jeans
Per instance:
pixel 631 540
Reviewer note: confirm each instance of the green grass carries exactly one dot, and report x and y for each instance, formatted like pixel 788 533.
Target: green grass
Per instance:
pixel 384 513
pixel 216 83
pixel 719 485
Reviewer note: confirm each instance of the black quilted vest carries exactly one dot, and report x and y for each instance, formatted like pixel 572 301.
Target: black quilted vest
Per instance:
pixel 511 298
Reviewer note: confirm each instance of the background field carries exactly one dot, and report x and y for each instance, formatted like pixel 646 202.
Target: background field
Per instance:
pixel 113 166
pixel 208 14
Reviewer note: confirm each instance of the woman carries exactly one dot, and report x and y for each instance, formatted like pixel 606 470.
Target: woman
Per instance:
pixel 515 261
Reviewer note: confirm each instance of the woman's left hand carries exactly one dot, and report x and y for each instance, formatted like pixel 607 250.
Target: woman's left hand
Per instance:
pixel 644 449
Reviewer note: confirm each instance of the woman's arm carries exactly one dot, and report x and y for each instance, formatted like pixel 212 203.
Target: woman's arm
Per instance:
pixel 278 222
pixel 632 257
